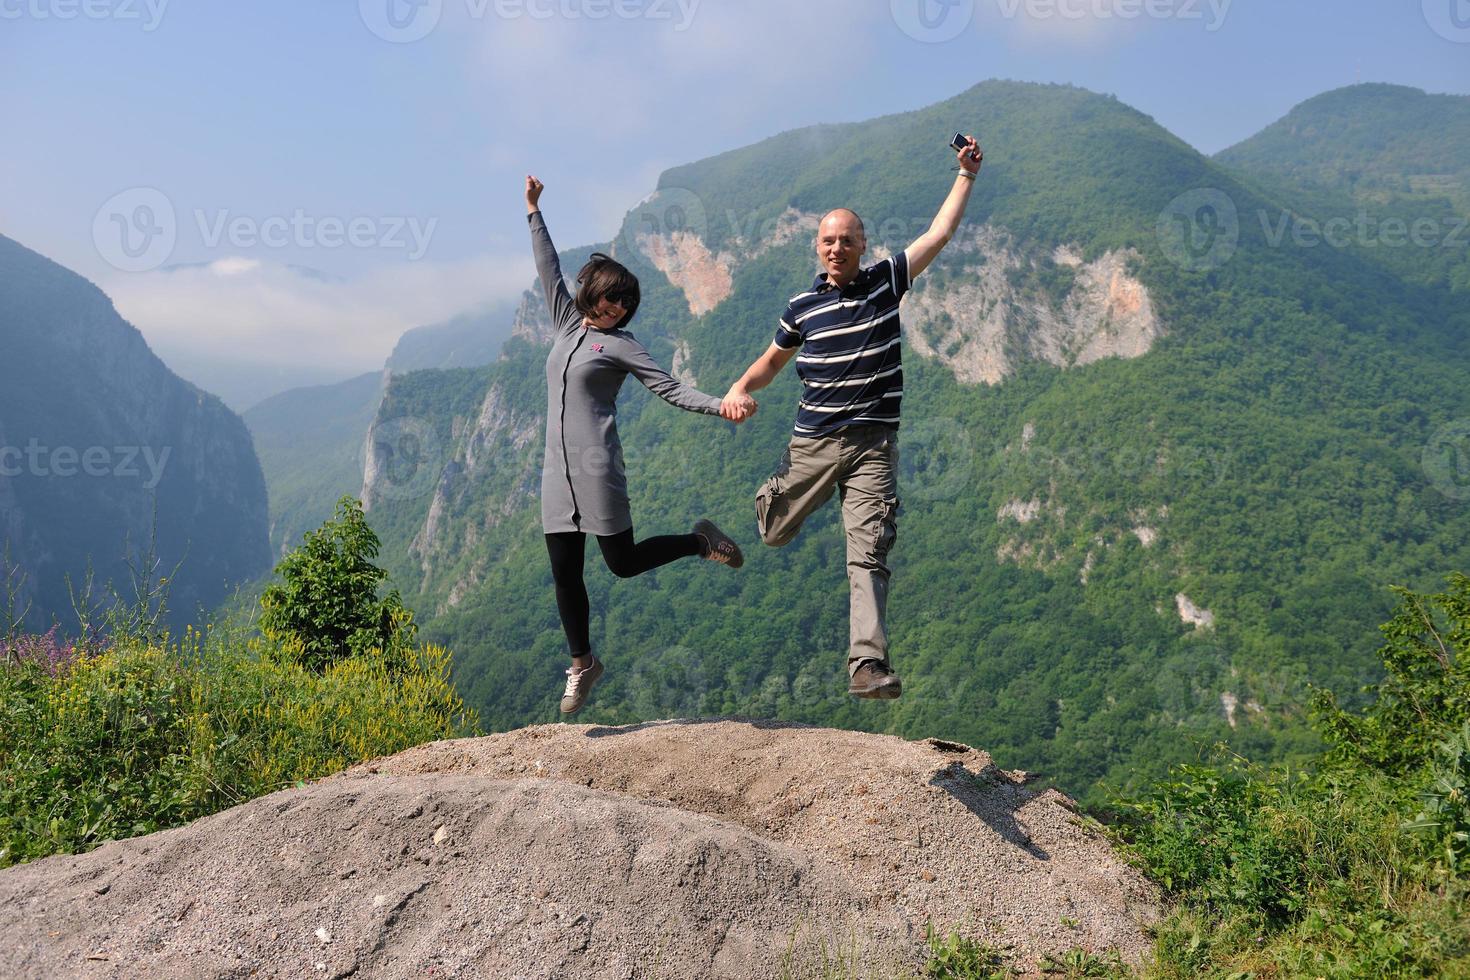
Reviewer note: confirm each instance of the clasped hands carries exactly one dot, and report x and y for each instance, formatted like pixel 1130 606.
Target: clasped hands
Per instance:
pixel 737 406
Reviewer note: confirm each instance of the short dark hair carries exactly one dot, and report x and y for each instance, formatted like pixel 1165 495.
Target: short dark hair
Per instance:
pixel 604 278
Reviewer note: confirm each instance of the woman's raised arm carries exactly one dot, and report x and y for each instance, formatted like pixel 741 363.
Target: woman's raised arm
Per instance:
pixel 564 312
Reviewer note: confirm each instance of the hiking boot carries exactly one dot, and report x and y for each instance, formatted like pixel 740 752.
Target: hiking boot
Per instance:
pixel 873 679
pixel 719 546
pixel 579 685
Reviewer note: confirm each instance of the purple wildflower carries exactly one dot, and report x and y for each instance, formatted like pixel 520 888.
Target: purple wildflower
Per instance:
pixel 49 650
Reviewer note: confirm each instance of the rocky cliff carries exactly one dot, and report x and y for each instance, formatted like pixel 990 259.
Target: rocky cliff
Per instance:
pixel 101 441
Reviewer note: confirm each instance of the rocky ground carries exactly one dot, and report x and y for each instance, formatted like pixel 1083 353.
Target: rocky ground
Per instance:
pixel 723 848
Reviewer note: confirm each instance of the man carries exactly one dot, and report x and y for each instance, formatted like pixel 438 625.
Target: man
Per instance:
pixel 846 434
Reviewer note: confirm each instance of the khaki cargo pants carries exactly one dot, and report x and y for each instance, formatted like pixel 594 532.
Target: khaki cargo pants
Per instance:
pixel 861 463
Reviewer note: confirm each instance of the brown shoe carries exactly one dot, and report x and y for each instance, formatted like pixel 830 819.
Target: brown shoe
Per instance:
pixel 579 685
pixel 873 679
pixel 719 546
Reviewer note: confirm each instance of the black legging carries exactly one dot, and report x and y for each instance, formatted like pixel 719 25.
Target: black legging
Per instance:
pixel 625 558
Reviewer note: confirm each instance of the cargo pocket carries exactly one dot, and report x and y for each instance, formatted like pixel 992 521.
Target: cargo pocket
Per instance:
pixel 770 498
pixel 887 531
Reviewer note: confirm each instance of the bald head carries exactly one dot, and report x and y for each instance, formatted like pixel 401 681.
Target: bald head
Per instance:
pixel 841 242
pixel 845 218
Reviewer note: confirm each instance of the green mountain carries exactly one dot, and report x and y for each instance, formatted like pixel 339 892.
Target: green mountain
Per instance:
pixel 310 444
pixel 1157 469
pixel 310 439
pixel 1372 139
pixel 104 450
pixel 468 340
pixel 240 382
pixel 1382 170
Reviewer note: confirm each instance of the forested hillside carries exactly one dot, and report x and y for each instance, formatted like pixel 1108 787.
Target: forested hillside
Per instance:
pixel 310 444
pixel 1382 171
pixel 114 471
pixel 1157 471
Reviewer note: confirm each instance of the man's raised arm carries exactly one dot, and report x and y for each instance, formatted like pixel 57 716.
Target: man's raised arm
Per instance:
pixel 947 221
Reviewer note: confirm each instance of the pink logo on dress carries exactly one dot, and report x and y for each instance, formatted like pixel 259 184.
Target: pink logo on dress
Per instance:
pixel 597 348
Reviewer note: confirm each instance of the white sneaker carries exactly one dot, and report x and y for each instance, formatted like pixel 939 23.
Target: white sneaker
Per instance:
pixel 579 685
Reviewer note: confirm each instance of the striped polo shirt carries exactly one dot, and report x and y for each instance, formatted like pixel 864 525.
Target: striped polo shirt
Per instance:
pixel 849 363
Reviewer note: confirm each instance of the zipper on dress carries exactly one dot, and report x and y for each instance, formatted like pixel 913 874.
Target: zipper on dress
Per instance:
pixel 566 464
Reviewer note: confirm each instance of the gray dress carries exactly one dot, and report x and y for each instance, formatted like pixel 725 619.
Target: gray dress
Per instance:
pixel 583 483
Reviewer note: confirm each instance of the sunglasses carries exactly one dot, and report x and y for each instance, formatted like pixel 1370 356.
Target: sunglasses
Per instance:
pixel 618 301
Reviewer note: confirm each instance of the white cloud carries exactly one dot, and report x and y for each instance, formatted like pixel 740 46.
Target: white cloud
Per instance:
pixel 612 89
pixel 1098 23
pixel 275 314
pixel 771 44
pixel 234 266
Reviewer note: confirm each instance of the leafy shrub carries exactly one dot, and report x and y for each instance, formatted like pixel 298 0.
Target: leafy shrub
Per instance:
pixel 1324 873
pixel 1445 819
pixel 106 740
pixel 142 737
pixel 1425 697
pixel 327 607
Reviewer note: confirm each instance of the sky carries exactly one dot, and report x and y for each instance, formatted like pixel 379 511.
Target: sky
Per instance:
pixel 300 181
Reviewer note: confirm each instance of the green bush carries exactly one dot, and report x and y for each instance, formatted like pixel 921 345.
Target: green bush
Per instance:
pixel 1356 868
pixel 142 737
pixel 132 733
pixel 327 607
pixel 1445 819
pixel 1425 697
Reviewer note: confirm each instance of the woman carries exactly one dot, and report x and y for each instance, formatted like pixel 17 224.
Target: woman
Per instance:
pixel 583 487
